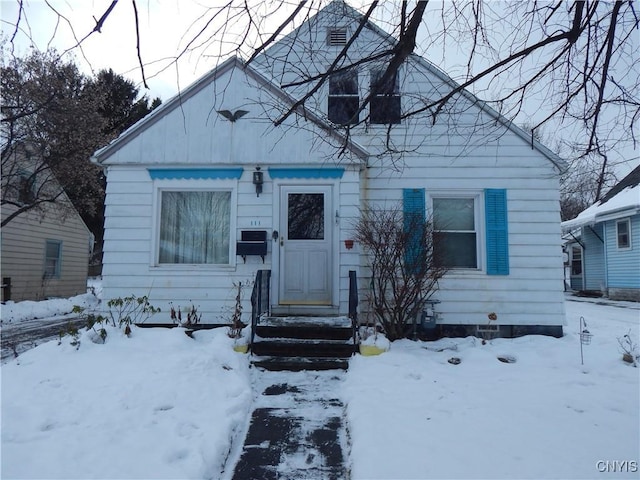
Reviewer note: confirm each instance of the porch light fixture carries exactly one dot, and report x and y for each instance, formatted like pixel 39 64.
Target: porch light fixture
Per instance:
pixel 258 180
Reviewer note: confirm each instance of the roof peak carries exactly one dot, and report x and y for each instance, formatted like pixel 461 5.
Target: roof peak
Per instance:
pixel 631 180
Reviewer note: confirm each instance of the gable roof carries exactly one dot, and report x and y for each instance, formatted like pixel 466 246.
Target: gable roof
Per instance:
pixel 333 8
pixel 342 9
pixel 621 201
pixel 177 100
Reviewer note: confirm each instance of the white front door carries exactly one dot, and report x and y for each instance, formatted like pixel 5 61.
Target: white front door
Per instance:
pixel 305 245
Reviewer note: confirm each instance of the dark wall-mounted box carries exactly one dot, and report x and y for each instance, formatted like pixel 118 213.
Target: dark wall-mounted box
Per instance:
pixel 252 242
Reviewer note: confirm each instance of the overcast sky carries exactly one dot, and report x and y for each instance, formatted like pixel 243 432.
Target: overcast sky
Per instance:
pixel 162 25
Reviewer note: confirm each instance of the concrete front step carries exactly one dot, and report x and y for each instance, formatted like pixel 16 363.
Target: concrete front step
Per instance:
pixel 303 343
pixel 296 364
pixel 320 328
pixel 288 347
pixel 310 332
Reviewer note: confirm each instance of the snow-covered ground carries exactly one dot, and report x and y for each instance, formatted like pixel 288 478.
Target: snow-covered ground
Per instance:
pixel 162 405
pixel 16 312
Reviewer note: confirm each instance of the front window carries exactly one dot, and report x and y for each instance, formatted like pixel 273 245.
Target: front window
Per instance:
pixel 385 104
pixel 52 258
pixel 456 236
pixel 623 232
pixel 195 227
pixel 344 101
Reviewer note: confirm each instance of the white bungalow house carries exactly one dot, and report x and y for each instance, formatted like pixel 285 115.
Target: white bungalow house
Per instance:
pixel 210 169
pixel 603 243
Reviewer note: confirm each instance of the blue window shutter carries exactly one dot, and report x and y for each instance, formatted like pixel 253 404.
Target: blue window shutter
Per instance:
pixel 413 205
pixel 495 201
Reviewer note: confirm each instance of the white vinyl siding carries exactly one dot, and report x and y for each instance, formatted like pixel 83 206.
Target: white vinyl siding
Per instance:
pixel 464 150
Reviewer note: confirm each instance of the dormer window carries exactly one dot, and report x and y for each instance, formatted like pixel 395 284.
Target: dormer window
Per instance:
pixel 343 98
pixel 337 37
pixel 385 104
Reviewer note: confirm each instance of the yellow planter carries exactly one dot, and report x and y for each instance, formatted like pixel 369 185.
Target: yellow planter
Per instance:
pixel 369 350
pixel 241 348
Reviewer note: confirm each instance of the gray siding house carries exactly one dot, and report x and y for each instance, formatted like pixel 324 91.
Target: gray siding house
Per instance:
pixel 44 254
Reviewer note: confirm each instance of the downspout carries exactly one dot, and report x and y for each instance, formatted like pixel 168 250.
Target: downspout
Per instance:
pixel 606 260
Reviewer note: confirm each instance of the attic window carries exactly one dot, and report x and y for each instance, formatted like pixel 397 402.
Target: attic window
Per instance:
pixel 337 37
pixel 385 104
pixel 343 98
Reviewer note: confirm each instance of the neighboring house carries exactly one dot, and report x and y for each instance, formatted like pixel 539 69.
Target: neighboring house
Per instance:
pixel 45 253
pixel 210 168
pixel 603 243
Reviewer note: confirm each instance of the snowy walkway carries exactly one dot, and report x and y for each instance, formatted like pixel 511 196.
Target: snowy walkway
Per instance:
pixel 297 428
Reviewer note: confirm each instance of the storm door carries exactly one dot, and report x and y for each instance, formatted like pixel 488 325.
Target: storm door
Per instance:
pixel 305 245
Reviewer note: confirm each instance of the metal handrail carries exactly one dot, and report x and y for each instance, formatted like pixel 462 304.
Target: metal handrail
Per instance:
pixel 353 304
pixel 259 299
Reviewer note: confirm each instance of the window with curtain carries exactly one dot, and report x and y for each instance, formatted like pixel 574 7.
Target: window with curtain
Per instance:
pixel 194 227
pixel 454 222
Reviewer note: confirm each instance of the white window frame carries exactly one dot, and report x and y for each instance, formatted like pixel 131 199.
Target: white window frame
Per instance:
pixel 193 186
pixel 572 259
pixel 345 96
pixel 478 212
pixel 58 264
pixel 627 221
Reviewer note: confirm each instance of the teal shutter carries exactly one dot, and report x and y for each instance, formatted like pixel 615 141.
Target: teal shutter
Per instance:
pixel 413 207
pixel 495 201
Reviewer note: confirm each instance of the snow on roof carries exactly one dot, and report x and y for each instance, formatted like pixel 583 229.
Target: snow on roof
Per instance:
pixel 623 200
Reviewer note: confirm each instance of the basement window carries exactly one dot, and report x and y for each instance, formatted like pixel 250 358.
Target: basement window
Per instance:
pixel 337 37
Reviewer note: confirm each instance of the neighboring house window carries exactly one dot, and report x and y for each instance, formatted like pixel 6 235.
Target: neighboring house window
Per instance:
pixel 194 227
pixel 343 98
pixel 52 258
pixel 385 104
pixel 26 188
pixel 623 232
pixel 576 261
pixel 456 236
pixel 337 37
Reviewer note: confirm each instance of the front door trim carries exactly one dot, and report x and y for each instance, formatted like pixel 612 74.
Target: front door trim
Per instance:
pixel 334 236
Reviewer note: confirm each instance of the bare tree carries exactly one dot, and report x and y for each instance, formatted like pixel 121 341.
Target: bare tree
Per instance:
pixel 53 119
pixel 574 63
pixel 404 265
pixel 48 127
